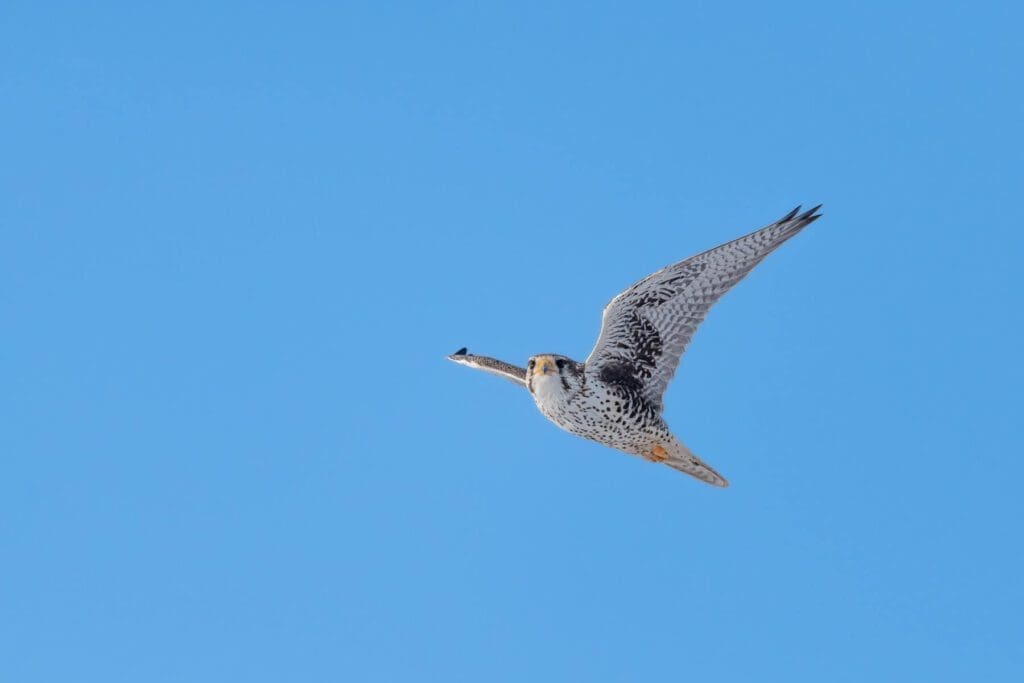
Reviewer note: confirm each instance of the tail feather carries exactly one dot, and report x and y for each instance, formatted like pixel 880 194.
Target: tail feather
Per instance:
pixel 680 458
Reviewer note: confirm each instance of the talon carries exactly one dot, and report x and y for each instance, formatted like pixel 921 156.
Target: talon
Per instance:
pixel 659 454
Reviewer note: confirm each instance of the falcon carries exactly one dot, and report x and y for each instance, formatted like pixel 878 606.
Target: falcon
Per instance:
pixel 614 397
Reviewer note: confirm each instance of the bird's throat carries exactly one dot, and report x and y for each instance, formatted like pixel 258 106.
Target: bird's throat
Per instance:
pixel 548 390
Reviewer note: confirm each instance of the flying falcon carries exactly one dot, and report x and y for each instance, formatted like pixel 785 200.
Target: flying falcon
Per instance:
pixel 614 397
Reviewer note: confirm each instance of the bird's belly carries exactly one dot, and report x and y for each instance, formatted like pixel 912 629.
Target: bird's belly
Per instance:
pixel 615 426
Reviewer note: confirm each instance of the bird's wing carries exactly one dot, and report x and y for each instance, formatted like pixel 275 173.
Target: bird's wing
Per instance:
pixel 645 329
pixel 491 365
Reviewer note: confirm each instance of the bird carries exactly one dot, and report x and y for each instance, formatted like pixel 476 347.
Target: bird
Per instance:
pixel 615 396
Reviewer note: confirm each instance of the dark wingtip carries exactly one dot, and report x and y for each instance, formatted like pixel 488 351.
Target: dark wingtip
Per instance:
pixel 789 216
pixel 811 215
pixel 804 218
pixel 458 355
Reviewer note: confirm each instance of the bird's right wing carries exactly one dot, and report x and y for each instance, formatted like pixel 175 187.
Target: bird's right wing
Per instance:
pixel 491 365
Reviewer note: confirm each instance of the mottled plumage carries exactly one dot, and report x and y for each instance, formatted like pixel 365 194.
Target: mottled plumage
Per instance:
pixel 615 396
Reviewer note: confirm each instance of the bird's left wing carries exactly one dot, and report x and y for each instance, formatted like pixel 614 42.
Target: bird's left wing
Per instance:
pixel 645 329
pixel 491 365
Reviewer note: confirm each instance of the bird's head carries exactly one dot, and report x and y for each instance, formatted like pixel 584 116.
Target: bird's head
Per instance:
pixel 552 376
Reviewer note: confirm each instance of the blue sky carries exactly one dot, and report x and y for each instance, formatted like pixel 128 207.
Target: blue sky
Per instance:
pixel 236 244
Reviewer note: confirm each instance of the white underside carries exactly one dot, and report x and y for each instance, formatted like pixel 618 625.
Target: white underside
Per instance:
pixel 548 390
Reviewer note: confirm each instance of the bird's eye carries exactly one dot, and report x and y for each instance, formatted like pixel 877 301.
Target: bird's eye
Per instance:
pixel 560 363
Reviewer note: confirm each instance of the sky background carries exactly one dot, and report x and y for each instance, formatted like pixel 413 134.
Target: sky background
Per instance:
pixel 236 243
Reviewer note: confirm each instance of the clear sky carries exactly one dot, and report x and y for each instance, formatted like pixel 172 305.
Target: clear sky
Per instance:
pixel 236 244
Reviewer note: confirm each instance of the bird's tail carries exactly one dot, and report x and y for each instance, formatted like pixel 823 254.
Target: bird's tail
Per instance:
pixel 679 457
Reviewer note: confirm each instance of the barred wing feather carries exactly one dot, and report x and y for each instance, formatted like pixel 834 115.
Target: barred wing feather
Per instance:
pixel 645 329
